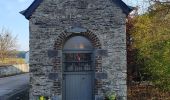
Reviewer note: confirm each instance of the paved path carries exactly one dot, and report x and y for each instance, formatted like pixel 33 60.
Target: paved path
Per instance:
pixel 11 85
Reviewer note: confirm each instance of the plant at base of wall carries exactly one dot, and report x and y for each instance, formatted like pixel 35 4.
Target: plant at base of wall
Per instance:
pixel 43 98
pixel 111 96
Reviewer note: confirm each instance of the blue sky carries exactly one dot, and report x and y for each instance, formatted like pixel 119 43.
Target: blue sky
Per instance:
pixel 11 19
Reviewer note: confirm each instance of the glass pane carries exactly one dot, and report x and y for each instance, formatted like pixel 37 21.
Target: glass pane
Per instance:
pixel 77 62
pixel 78 42
pixel 77 57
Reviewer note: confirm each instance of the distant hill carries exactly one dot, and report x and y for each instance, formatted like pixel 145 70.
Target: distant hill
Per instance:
pixel 21 54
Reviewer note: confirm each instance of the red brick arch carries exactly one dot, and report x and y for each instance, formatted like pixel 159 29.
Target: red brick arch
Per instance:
pixel 57 64
pixel 62 38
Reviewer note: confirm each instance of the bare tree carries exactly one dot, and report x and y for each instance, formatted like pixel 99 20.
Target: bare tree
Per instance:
pixel 8 44
pixel 148 5
pixel 161 1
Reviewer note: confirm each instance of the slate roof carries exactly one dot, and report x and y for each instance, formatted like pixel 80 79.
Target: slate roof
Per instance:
pixel 28 12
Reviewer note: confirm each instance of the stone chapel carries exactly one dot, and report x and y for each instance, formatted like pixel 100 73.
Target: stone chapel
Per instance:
pixel 77 49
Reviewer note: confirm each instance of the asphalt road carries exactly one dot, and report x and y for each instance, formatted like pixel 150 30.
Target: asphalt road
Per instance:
pixel 11 85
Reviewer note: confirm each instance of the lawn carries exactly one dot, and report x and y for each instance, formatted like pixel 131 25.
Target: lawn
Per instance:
pixel 10 61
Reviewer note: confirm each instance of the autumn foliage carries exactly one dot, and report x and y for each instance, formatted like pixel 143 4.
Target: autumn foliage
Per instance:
pixel 148 37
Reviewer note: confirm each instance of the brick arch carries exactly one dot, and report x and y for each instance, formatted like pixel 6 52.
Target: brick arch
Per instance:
pixel 63 37
pixel 57 63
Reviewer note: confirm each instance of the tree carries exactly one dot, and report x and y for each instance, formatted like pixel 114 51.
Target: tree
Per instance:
pixel 8 44
pixel 150 38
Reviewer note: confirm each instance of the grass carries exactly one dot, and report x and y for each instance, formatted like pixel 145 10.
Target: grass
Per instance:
pixel 10 61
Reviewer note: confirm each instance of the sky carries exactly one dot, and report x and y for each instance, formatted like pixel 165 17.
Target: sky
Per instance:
pixel 11 19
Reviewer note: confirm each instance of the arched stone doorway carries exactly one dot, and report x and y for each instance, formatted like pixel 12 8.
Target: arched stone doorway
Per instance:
pixel 76 42
pixel 78 69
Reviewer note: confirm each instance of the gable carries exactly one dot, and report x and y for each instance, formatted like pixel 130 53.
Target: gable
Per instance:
pixel 126 9
pixel 29 11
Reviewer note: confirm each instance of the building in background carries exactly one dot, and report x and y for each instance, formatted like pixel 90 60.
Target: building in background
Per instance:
pixel 27 57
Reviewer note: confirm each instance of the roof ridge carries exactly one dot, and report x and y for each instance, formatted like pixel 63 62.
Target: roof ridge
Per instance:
pixel 28 12
pixel 126 9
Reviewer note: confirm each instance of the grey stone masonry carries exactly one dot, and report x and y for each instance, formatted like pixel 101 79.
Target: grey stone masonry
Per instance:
pixel 102 21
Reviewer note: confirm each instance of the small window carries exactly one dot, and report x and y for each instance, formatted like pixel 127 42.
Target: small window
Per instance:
pixel 77 55
pixel 78 42
pixel 77 62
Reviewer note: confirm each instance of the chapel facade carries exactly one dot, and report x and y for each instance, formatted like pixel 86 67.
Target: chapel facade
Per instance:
pixel 77 49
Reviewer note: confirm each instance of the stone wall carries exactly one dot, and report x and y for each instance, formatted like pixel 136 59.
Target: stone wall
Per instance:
pixel 7 70
pixel 102 18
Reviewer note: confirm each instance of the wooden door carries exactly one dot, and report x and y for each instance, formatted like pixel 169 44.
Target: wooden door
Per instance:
pixel 78 86
pixel 78 69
